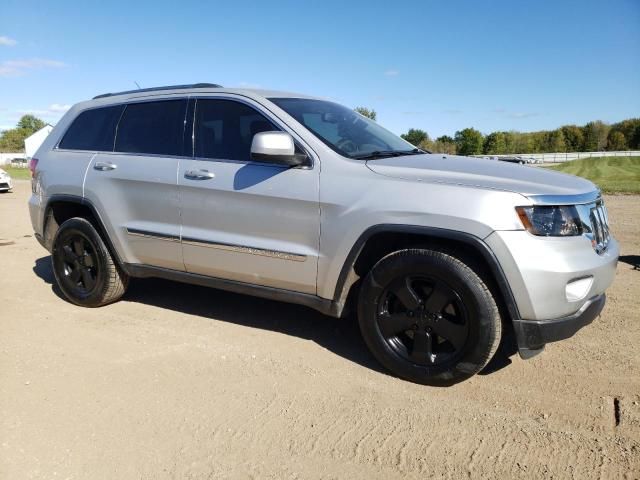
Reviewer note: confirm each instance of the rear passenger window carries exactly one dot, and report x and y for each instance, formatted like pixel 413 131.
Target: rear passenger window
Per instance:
pixel 225 129
pixel 152 127
pixel 93 130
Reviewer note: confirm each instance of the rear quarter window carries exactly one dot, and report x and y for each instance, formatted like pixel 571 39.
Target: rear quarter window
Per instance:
pixel 93 130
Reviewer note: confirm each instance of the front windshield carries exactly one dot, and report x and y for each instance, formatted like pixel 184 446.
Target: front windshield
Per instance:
pixel 345 131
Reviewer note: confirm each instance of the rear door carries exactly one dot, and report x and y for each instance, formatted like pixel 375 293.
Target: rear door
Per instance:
pixel 242 220
pixel 134 187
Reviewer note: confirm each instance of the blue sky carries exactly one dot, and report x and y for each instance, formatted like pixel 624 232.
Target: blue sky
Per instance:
pixel 436 65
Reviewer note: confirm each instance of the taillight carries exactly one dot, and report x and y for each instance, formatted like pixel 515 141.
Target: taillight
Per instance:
pixel 33 163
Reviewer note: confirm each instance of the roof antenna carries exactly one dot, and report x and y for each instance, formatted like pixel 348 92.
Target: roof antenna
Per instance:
pixel 137 85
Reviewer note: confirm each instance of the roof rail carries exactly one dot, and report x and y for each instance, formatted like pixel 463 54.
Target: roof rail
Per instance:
pixel 156 89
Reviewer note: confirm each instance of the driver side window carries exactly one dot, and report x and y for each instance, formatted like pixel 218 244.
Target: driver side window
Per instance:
pixel 224 129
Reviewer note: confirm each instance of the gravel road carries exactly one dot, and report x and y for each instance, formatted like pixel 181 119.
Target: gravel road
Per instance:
pixel 186 382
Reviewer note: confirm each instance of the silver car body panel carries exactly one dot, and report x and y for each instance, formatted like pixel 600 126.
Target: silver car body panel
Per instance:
pixel 293 229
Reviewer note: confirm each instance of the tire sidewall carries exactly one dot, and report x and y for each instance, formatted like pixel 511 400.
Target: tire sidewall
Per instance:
pixel 459 277
pixel 70 228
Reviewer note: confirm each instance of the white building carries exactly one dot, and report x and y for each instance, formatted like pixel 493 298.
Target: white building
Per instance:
pixel 32 143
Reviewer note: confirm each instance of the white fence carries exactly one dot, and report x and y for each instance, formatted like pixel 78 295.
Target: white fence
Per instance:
pixel 567 157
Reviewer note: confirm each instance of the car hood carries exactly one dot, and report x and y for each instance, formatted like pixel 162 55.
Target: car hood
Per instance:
pixel 481 173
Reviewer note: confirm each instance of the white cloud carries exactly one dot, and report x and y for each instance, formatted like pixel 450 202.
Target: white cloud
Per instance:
pixel 7 42
pixel 15 68
pixel 518 115
pixel 392 73
pixel 59 108
pixel 51 114
pixel 515 115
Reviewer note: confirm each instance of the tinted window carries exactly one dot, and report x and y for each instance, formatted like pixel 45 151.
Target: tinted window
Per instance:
pixel 152 127
pixel 345 131
pixel 225 129
pixel 93 130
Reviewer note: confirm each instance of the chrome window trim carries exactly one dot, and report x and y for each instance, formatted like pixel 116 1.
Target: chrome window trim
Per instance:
pixel 262 109
pixel 158 98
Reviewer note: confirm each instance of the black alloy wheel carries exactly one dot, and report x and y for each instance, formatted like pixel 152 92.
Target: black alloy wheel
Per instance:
pixel 423 320
pixel 80 264
pixel 429 317
pixel 84 267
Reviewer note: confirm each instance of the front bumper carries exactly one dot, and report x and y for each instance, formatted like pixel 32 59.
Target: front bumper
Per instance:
pixel 532 335
pixel 539 269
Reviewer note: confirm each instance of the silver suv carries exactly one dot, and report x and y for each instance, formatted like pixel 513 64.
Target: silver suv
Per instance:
pixel 302 200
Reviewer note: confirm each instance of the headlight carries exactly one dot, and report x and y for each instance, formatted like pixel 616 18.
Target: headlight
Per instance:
pixel 561 221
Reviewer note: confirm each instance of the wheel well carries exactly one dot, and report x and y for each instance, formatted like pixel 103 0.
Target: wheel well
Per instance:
pixel 59 212
pixel 382 244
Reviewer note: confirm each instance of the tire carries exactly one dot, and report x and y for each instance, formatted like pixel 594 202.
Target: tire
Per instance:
pixel 428 317
pixel 83 266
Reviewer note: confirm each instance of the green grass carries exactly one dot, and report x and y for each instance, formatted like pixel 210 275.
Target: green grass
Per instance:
pixel 611 174
pixel 17 173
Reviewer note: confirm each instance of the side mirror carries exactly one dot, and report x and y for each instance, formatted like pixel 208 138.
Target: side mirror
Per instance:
pixel 278 148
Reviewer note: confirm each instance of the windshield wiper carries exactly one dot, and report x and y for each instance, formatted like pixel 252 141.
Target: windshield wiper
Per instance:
pixel 387 153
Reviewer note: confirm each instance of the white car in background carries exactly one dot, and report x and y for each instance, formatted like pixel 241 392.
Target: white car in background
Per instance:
pixel 5 181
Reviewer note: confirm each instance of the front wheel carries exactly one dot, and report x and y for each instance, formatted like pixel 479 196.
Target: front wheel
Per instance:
pixel 83 266
pixel 428 317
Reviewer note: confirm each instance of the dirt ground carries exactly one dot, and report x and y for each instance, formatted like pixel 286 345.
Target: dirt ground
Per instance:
pixel 184 382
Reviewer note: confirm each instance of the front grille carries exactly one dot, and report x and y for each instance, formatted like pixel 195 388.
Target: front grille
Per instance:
pixel 4 185
pixel 599 219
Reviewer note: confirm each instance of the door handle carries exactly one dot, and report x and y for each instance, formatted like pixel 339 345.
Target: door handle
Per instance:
pixel 199 174
pixel 104 166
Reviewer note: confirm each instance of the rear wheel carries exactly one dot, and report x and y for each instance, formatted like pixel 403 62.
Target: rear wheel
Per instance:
pixel 428 317
pixel 83 266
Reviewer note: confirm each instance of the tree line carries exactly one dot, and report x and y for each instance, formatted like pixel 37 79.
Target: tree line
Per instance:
pixel 12 140
pixel 596 136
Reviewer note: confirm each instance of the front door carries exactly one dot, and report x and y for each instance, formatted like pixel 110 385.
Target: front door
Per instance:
pixel 247 221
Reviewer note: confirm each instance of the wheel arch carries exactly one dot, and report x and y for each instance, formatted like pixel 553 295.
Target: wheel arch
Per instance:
pixel 62 207
pixel 380 240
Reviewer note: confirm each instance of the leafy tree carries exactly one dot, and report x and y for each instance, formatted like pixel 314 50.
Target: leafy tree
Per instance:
pixel 365 112
pixel 573 137
pixel 555 141
pixel 634 140
pixel 468 141
pixel 630 128
pixel 595 136
pixel 443 144
pixel 616 141
pixel 13 140
pixel 31 123
pixel 415 136
pixel 495 143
